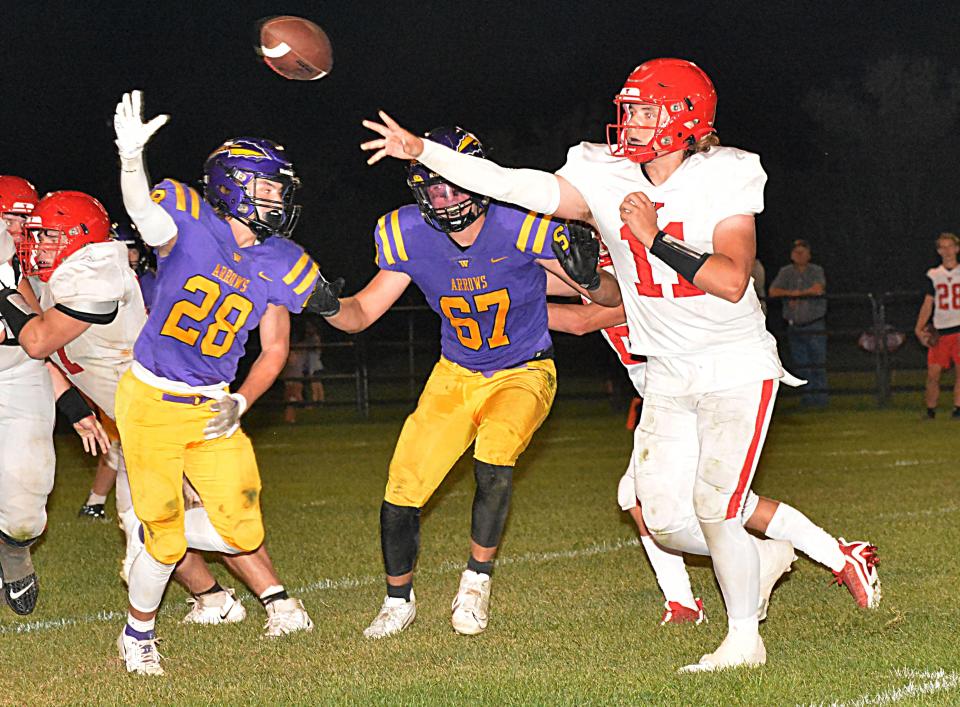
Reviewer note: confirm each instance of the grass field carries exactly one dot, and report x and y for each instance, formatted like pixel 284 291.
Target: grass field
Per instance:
pixel 575 606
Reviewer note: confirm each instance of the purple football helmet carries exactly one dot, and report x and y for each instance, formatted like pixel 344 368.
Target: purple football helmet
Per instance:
pixel 230 177
pixel 443 204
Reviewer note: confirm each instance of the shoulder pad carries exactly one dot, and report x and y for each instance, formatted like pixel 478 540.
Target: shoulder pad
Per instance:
pixel 178 199
pixel 94 274
pixel 393 236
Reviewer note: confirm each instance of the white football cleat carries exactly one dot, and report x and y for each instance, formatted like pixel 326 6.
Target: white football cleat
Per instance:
pixel 471 606
pixel 218 608
pixel 286 616
pixel 395 615
pixel 139 656
pixel 776 556
pixel 735 652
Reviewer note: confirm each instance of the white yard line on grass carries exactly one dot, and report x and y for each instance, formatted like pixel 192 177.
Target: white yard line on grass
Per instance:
pixel 342 583
pixel 920 682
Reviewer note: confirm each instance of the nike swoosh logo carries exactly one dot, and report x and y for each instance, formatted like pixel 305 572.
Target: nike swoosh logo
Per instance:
pixel 223 614
pixel 497 260
pixel 268 279
pixel 17 595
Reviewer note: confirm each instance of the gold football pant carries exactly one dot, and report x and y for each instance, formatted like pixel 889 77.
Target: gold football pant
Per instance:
pixel 162 436
pixel 500 411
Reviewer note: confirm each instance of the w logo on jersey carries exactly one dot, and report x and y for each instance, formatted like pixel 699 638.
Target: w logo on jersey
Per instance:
pixel 464 263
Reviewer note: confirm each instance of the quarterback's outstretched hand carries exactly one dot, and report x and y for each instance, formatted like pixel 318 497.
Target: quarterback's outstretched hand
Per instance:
pixel 394 141
pixel 325 299
pixel 132 133
pixel 93 435
pixel 229 408
pixel 581 255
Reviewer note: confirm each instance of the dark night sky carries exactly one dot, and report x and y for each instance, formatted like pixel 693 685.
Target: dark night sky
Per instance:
pixel 482 65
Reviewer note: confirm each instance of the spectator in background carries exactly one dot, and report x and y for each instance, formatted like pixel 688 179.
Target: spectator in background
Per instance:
pixel 942 301
pixel 292 374
pixel 313 360
pixel 802 285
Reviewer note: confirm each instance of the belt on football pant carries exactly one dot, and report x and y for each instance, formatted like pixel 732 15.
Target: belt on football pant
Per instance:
pixel 185 399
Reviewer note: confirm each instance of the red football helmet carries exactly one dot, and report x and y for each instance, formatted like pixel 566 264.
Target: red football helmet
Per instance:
pixel 17 199
pixel 685 102
pixel 60 225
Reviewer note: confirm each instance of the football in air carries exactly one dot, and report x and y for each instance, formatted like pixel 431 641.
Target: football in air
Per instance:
pixel 294 47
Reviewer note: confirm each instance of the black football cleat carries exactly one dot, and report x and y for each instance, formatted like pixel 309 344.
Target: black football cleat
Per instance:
pixel 94 512
pixel 22 594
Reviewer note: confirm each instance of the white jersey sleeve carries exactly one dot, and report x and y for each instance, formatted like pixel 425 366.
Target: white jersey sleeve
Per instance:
pixel 737 184
pixel 89 284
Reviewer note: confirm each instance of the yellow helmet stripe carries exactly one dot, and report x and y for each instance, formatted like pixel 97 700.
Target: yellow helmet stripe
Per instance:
pixel 295 271
pixel 525 230
pixel 397 236
pixel 387 252
pixel 541 235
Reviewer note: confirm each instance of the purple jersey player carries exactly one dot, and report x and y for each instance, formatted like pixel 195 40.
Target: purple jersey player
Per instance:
pixel 224 267
pixel 481 268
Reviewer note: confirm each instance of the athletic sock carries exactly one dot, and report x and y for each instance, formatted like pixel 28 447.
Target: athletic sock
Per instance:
pixel 813 541
pixel 148 579
pixel 141 630
pixel 212 590
pixel 273 593
pixel 400 592
pixel 480 567
pixel 95 499
pixel 736 564
pixel 671 573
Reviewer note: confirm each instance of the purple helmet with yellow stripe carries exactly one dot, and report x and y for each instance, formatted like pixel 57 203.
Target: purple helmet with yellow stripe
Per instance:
pixel 232 176
pixel 443 204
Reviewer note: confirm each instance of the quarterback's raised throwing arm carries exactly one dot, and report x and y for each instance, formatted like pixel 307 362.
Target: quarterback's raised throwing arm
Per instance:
pixel 724 273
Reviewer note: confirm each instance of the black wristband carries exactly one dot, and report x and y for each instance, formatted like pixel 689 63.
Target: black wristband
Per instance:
pixel 73 406
pixel 673 252
pixel 14 316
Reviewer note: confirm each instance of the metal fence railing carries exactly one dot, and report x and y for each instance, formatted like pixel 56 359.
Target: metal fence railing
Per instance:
pixel 870 351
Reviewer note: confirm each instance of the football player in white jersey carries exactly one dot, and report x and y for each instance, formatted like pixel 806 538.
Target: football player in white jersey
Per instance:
pixel 92 313
pixel 942 339
pixel 27 394
pixel 853 563
pixel 676 211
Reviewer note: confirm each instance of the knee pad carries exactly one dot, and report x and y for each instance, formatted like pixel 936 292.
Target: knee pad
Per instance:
pixel 627 491
pixel 399 537
pixel 662 516
pixel 491 502
pixel 4 538
pixel 710 502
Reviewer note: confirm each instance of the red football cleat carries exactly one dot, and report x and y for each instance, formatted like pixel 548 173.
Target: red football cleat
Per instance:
pixel 677 613
pixel 859 575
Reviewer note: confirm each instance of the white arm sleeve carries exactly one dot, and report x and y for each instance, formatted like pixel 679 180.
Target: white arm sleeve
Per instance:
pixel 529 188
pixel 156 226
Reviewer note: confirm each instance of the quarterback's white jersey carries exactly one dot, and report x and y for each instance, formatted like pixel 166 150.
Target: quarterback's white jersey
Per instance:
pixel 945 290
pixel 695 341
pixel 94 279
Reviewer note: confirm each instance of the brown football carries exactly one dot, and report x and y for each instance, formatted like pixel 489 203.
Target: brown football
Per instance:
pixel 295 48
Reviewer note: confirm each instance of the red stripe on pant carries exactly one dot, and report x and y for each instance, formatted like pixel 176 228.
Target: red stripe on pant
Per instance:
pixel 747 471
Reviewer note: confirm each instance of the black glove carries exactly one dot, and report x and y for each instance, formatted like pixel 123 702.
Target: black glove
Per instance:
pixel 325 299
pixel 581 256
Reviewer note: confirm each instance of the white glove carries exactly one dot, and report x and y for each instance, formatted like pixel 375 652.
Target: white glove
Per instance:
pixel 229 408
pixel 132 133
